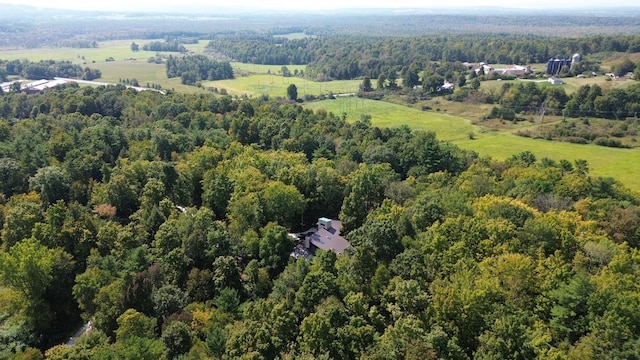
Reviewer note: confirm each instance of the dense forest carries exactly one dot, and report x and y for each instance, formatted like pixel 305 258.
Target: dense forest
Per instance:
pixel 163 220
pixel 64 28
pixel 348 57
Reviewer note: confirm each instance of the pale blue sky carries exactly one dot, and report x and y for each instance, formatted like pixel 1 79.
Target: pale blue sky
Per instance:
pixel 160 5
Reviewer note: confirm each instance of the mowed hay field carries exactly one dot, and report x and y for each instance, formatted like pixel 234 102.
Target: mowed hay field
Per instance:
pixel 264 69
pixel 276 85
pixel 385 114
pixel 622 164
pixel 144 72
pixel 116 49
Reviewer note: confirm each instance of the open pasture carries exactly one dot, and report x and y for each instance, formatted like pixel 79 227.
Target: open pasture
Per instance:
pixel 385 114
pixel 621 164
pixel 144 72
pixel 116 49
pixel 275 85
pixel 570 86
pixel 264 69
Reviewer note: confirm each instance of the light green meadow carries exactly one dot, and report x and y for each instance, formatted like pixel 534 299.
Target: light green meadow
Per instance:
pixel 276 85
pixel 622 164
pixel 384 114
pixel 264 69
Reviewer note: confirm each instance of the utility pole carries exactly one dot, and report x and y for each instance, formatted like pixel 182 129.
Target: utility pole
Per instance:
pixel 543 109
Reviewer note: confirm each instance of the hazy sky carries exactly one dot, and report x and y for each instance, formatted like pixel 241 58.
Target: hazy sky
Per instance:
pixel 160 5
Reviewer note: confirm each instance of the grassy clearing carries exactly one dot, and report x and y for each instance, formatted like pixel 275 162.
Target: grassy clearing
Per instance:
pixel 275 85
pixel 117 49
pixel 621 164
pixel 571 84
pixel 144 72
pixel 384 114
pixel 264 69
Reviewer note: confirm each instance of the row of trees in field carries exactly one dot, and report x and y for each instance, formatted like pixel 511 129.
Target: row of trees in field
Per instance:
pixel 46 69
pixel 171 46
pixel 262 49
pixel 194 68
pixel 163 219
pixel 588 100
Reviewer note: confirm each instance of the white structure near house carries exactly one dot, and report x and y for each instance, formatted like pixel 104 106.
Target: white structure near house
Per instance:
pixel 327 236
pixel 447 86
pixel 41 85
pixel 555 81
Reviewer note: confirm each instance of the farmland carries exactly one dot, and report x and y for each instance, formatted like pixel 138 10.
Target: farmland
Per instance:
pixel 603 161
pixel 276 85
pixel 457 122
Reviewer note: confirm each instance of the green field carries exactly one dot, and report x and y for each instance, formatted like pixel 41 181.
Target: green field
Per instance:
pixel 276 85
pixel 264 69
pixel 384 114
pixel 570 86
pixel 117 49
pixel 144 72
pixel 622 164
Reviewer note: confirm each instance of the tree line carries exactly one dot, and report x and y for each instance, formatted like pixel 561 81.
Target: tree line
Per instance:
pixel 163 219
pixel 348 57
pixel 46 69
pixel 170 46
pixel 194 68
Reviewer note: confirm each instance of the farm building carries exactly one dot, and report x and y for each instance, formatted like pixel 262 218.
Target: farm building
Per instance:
pixel 555 81
pixel 554 66
pixel 514 70
pixel 36 87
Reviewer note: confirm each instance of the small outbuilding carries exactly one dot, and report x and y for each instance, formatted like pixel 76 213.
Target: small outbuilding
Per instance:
pixel 555 81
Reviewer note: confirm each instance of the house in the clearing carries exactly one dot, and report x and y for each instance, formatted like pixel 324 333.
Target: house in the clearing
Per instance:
pixel 555 81
pixel 325 236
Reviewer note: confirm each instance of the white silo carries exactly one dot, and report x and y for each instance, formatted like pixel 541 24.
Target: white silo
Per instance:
pixel 575 59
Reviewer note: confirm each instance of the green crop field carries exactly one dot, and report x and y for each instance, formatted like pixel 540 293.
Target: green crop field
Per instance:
pixel 275 85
